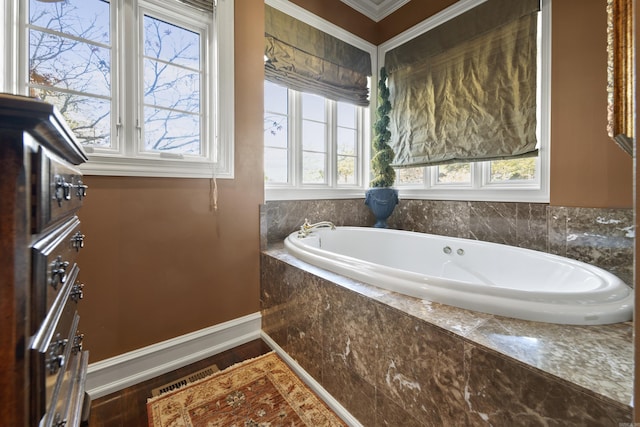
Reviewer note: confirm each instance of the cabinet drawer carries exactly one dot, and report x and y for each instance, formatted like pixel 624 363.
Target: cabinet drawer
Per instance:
pixel 52 348
pixel 66 405
pixel 59 190
pixel 54 256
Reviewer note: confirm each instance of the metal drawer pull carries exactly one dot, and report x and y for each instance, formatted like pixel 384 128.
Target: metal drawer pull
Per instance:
pixel 56 359
pixel 77 292
pixel 58 421
pixel 77 241
pixel 58 272
pixel 77 344
pixel 81 190
pixel 63 189
pixel 55 364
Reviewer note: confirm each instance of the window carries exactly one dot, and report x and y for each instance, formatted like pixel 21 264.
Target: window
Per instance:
pixel 69 52
pixel 173 103
pixel 136 81
pixel 311 142
pixel 524 179
pixel 314 146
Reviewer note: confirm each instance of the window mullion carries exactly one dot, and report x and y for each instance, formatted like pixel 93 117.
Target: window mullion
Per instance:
pixel 479 174
pixel 362 136
pixel 127 74
pixel 430 176
pixel 138 101
pixel 13 59
pixel 295 138
pixel 118 75
pixel 331 144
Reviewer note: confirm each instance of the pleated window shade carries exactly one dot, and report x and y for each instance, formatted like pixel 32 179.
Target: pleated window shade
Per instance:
pixel 466 90
pixel 305 59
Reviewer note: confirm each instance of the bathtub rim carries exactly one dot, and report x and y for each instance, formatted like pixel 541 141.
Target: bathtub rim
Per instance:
pixel 558 312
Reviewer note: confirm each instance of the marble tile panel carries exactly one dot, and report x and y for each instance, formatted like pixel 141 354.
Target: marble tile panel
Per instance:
pixel 605 357
pixel 273 298
pixel 557 227
pixel 421 368
pixel 264 227
pixel 602 237
pixel 493 222
pixel 351 331
pixel 511 394
pixel 354 393
pixel 390 414
pixel 410 215
pixel 531 226
pixel 304 318
pixel 284 217
pixel 449 318
pixel 448 218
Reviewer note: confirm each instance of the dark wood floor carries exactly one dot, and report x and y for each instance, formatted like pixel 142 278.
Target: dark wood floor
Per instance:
pixel 127 408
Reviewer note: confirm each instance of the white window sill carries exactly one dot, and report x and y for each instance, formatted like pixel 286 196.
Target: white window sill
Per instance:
pixel 532 195
pixel 118 166
pixel 312 193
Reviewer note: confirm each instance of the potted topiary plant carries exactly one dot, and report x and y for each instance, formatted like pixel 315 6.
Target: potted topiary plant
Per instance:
pixel 381 198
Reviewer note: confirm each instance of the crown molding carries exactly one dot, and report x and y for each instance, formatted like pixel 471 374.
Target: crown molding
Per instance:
pixel 376 10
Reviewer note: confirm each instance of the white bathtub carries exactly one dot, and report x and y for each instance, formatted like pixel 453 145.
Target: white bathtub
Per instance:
pixel 481 276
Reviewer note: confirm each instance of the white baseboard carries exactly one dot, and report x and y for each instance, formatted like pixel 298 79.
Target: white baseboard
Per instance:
pixel 312 383
pixel 122 371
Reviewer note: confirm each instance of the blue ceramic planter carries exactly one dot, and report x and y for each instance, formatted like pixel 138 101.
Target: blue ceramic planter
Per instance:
pixel 382 201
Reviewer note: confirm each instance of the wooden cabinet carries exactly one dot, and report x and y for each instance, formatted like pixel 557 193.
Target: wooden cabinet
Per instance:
pixel 42 364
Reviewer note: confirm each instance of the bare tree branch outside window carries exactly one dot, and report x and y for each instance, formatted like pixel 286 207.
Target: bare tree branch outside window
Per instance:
pixel 171 88
pixel 70 66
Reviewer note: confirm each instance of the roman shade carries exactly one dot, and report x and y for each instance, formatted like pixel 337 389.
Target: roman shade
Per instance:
pixel 305 59
pixel 466 90
pixel 205 5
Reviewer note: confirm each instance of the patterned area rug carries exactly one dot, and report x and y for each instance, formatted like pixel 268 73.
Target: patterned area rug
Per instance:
pixel 259 392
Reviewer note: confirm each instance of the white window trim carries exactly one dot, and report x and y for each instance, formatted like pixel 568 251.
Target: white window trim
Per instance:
pixel 519 192
pixel 14 62
pixel 9 16
pixel 311 192
pixel 295 154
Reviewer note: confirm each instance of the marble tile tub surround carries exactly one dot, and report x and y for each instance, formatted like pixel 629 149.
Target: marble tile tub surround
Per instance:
pixel 393 360
pixel 602 237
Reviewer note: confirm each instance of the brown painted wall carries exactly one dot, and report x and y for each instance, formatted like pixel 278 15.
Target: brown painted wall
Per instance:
pixel 159 264
pixel 587 168
pixel 409 15
pixel 343 16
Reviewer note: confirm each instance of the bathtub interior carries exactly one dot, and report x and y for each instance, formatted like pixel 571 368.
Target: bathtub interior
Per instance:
pixel 463 260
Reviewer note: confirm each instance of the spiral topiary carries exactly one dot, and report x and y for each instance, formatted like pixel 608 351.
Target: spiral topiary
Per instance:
pixel 383 174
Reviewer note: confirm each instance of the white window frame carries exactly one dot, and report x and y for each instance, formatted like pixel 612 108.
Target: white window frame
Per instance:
pixel 481 189
pixel 125 159
pixel 294 189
